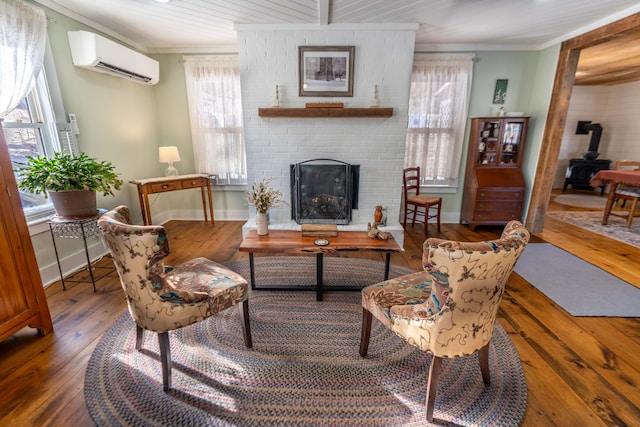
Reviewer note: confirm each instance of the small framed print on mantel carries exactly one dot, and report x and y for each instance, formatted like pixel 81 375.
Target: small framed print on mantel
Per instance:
pixel 325 70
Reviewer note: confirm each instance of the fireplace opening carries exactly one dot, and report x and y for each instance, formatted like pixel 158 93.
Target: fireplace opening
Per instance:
pixel 324 191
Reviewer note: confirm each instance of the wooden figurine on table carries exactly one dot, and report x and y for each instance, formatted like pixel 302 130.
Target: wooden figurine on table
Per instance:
pixel 374 233
pixel 377 216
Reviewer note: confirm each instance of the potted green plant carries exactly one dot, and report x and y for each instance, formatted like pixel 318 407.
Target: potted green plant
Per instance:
pixel 71 181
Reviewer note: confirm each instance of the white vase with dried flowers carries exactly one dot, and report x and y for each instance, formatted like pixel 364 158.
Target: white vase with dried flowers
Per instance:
pixel 263 197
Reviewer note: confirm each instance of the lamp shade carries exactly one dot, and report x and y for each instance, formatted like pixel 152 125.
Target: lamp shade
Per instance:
pixel 169 154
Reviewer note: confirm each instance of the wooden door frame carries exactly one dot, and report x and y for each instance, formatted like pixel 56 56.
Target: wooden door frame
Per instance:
pixel 557 115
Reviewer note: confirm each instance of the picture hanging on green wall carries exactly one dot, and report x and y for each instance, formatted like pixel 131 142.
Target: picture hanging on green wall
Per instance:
pixel 500 93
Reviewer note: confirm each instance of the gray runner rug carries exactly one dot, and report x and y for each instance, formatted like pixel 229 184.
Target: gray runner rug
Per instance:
pixel 580 288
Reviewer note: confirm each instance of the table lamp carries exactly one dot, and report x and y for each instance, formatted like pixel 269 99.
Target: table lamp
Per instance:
pixel 169 155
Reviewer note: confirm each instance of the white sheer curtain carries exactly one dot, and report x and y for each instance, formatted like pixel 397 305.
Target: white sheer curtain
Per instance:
pixel 23 32
pixel 438 105
pixel 215 108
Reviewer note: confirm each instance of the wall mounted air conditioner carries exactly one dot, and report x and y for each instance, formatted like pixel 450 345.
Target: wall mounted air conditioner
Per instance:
pixel 97 53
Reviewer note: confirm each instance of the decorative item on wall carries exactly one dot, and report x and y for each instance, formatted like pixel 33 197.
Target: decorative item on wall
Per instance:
pixel 325 70
pixel 169 155
pixel 500 93
pixel 276 99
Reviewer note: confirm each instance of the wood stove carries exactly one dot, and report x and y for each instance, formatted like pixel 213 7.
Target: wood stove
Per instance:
pixel 324 191
pixel 580 172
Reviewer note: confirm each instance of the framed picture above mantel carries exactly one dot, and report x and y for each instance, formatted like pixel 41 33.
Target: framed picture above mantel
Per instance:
pixel 325 70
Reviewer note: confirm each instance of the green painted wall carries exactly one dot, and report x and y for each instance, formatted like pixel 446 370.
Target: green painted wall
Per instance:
pixel 530 75
pixel 117 121
pixel 516 66
pixel 125 123
pixel 539 107
pixel 174 128
pixel 117 118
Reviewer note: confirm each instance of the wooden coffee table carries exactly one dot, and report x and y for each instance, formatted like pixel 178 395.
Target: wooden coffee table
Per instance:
pixel 292 242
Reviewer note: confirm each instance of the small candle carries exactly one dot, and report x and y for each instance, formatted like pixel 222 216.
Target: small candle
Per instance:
pixel 374 100
pixel 276 100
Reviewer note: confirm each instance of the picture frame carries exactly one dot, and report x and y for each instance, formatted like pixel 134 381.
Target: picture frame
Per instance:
pixel 500 92
pixel 325 70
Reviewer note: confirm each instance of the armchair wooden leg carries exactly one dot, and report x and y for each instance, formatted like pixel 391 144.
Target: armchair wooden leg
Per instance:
pixel 432 386
pixel 165 358
pixel 483 356
pixel 366 332
pixel 246 326
pixel 139 336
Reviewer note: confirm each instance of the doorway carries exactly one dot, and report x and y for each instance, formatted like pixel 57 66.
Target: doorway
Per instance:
pixel 558 108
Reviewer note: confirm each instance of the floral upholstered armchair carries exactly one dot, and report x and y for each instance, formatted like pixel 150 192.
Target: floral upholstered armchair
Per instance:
pixel 449 309
pixel 163 298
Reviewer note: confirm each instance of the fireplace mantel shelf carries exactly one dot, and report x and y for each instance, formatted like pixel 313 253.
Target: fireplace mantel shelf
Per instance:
pixel 373 112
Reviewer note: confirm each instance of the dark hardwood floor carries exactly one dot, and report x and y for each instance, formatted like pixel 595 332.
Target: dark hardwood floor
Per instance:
pixel 580 371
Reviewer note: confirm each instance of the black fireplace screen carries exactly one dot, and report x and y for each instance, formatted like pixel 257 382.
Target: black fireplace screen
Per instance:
pixel 324 191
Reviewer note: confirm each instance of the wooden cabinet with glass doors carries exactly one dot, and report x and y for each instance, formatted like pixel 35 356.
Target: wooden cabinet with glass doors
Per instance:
pixel 494 186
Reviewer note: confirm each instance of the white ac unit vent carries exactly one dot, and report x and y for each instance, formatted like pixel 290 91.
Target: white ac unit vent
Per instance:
pixel 96 53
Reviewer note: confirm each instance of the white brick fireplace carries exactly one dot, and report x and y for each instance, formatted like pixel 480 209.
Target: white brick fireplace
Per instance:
pixel 383 57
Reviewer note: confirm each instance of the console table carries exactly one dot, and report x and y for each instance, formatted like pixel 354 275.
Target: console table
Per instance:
pixel 172 183
pixel 290 241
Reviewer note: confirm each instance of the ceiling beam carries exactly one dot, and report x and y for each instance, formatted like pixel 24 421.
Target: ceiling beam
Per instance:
pixel 323 12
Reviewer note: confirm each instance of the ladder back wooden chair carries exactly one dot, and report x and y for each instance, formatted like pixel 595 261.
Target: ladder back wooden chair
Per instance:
pixel 626 192
pixel 422 206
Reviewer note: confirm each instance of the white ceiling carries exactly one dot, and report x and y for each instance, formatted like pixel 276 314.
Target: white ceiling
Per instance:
pixel 209 25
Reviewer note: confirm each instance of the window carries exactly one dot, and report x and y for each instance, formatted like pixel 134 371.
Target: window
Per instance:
pixel 438 104
pixel 215 109
pixel 31 130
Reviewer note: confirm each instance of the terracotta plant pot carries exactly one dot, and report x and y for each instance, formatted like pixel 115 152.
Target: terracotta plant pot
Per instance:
pixel 74 203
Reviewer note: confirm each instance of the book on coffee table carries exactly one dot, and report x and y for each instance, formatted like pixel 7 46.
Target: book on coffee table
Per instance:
pixel 319 230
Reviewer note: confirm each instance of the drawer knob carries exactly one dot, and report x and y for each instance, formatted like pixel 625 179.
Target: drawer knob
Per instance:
pixel 165 186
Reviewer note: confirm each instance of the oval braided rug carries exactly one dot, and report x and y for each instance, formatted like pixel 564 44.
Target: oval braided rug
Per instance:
pixel 304 368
